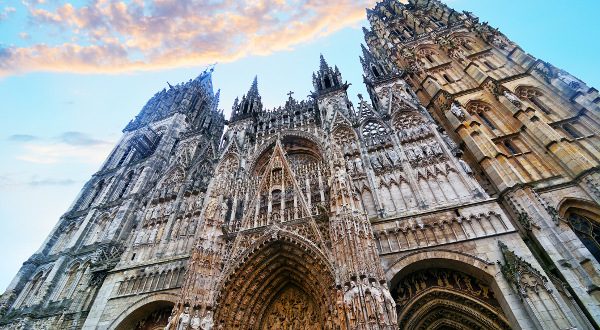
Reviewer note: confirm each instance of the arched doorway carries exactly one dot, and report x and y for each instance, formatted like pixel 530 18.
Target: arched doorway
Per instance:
pixel 285 283
pixel 152 316
pixel 437 294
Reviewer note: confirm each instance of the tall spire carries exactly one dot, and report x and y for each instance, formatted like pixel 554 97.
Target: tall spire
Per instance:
pixel 323 64
pixel 327 78
pixel 254 88
pixel 249 105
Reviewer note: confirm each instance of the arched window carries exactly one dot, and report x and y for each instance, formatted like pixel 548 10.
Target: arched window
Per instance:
pixel 588 232
pixel 70 279
pixel 327 82
pixel 374 133
pixel 534 96
pixel 467 46
pixel 482 110
pixel 375 71
pixel 486 120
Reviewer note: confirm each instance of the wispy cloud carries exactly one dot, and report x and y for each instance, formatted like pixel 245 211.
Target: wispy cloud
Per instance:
pixel 6 12
pixel 22 138
pixel 36 182
pixel 115 36
pixel 5 181
pixel 68 146
pixel 79 139
pixel 14 180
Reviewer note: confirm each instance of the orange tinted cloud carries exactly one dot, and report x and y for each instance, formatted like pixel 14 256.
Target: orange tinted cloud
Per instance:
pixel 108 36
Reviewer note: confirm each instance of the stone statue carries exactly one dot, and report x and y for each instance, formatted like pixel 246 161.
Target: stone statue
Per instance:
pixel 513 99
pixel 390 304
pixel 393 156
pixel 457 110
pixel 358 163
pixel 451 145
pixel 573 83
pixel 465 166
pixel 350 166
pixel 211 209
pixel 349 296
pixel 224 210
pixel 375 162
pixel 207 321
pixel 195 323
pixel 184 319
pixel 170 321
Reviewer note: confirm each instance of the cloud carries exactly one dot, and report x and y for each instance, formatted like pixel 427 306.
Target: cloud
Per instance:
pixel 6 12
pixel 66 147
pixel 22 138
pixel 6 181
pixel 114 36
pixel 35 182
pixel 14 180
pixel 79 139
pixel 41 153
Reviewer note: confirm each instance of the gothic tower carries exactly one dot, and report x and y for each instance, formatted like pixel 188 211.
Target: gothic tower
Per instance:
pixel 130 230
pixel 527 128
pixel 463 194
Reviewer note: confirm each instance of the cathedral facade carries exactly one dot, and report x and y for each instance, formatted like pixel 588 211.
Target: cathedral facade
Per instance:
pixel 462 193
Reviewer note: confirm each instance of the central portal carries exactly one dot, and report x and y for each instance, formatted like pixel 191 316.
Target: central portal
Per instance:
pixel 292 308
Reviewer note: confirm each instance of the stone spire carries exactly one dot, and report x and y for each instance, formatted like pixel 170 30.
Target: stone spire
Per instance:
pixel 327 79
pixel 254 88
pixel 249 105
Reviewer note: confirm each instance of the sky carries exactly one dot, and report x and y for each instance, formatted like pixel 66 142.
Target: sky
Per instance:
pixel 72 75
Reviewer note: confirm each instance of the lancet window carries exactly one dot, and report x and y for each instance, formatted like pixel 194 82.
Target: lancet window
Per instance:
pixel 588 232
pixel 483 110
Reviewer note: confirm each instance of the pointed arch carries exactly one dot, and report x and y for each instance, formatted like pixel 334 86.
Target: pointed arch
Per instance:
pixel 459 286
pixel 583 217
pixel 276 263
pixel 140 310
pixel 485 112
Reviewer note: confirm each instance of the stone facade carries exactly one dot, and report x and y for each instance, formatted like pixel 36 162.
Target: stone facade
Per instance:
pixel 464 195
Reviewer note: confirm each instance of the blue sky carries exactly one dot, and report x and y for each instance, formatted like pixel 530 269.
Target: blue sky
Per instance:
pixel 71 79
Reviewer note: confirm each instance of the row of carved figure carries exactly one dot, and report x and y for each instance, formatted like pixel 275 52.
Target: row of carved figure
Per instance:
pixel 186 322
pixel 370 301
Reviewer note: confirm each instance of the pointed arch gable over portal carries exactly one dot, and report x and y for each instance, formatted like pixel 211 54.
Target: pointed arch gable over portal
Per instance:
pixel 281 276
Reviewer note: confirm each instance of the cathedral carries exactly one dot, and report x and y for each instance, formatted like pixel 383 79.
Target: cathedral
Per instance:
pixel 463 192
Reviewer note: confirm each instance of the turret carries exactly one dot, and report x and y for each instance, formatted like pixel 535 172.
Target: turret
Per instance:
pixel 250 105
pixel 327 79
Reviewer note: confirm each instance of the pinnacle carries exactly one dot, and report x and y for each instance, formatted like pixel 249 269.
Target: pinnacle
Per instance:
pixel 323 64
pixel 254 88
